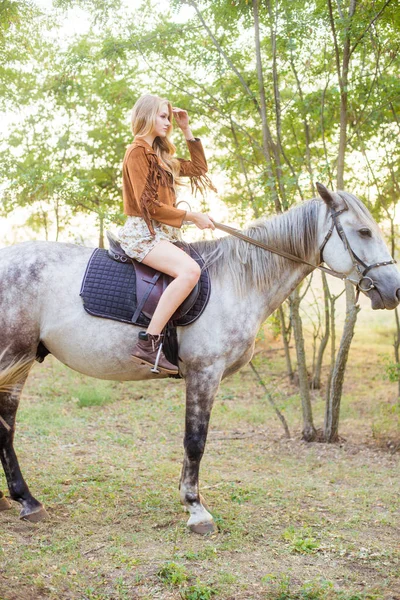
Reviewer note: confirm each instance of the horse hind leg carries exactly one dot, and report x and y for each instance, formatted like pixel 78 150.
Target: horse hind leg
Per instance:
pixel 12 380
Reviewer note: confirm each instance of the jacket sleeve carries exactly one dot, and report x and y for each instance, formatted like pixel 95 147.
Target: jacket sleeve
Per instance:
pixel 196 168
pixel 145 175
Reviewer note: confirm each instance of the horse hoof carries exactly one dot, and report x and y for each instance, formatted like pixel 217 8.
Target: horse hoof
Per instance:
pixel 34 517
pixel 204 528
pixel 4 503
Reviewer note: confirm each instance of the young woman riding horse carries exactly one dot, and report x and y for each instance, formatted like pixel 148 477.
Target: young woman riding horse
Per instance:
pixel 150 176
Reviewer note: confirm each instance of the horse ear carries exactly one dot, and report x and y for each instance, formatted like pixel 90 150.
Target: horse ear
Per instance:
pixel 326 195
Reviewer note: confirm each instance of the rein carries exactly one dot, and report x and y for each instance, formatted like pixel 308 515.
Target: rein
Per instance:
pixel 361 267
pixel 246 238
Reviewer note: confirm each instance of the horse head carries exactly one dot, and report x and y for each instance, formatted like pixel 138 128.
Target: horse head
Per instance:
pixel 351 243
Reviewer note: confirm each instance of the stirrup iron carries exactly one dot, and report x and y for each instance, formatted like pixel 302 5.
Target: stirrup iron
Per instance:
pixel 155 368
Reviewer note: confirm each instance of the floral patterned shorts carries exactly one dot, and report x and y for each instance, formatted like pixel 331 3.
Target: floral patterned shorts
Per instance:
pixel 137 241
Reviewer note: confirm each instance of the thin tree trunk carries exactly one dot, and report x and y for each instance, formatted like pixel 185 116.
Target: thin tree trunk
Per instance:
pixel 266 133
pixel 343 79
pixel 278 148
pixel 331 427
pixel 316 381
pixel 332 412
pixel 285 339
pixel 101 231
pixel 309 432
pixel 306 125
pixel 271 401
pixel 332 313
pixel 396 343
pixel 397 347
pixel 253 200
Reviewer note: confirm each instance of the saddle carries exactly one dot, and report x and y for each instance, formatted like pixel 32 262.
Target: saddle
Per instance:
pixel 126 290
pixel 150 284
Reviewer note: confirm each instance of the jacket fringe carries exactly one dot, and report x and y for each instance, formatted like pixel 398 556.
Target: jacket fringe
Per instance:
pixel 149 197
pixel 200 183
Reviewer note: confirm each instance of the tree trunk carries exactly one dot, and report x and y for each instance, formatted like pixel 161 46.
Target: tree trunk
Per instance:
pixel 397 348
pixel 268 145
pixel 101 231
pixel 309 432
pixel 331 427
pixel 343 80
pixel 285 339
pixel 316 381
pixel 253 199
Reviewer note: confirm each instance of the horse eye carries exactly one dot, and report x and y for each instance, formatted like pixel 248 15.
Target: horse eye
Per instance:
pixel 365 232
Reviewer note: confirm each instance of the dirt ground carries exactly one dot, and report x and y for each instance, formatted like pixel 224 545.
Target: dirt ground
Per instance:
pixel 295 520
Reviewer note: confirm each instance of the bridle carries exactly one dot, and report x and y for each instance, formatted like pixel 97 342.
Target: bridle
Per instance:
pixel 363 284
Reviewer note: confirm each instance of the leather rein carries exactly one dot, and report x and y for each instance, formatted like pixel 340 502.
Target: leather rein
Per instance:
pixel 364 283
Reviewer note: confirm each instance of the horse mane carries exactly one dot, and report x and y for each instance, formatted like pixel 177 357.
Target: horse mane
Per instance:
pixel 294 231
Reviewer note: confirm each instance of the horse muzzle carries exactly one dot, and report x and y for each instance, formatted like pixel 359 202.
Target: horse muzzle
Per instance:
pixel 381 300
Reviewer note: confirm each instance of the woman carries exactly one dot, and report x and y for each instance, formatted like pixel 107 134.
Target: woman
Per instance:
pixel 150 175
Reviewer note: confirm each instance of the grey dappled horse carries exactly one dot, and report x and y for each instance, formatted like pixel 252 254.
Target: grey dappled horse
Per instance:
pixel 39 292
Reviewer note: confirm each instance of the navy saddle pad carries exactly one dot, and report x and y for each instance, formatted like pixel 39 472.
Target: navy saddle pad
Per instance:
pixel 109 290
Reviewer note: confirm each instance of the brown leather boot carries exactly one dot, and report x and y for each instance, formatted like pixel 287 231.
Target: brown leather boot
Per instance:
pixel 148 351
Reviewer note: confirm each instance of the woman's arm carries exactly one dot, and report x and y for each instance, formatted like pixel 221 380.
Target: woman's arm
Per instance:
pixel 195 168
pixel 197 165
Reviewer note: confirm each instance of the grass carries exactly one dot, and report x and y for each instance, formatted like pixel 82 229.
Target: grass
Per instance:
pixel 296 521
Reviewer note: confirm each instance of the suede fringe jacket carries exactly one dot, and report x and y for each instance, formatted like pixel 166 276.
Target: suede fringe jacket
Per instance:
pixel 147 187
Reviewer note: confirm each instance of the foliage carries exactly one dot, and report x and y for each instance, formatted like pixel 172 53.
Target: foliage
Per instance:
pixel 198 591
pixel 392 370
pixel 301 541
pixel 172 573
pixel 204 60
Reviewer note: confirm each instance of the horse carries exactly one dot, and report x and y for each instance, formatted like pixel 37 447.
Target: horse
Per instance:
pixel 39 297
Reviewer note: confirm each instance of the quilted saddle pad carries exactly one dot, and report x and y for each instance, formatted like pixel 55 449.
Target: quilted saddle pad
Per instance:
pixel 108 290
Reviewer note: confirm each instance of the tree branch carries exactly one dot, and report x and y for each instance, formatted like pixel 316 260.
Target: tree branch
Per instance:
pixel 226 57
pixel 358 40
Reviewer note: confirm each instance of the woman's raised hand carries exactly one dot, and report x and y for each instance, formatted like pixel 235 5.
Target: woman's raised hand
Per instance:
pixel 201 220
pixel 181 117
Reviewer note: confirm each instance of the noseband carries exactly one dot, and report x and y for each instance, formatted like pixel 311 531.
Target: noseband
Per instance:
pixel 364 283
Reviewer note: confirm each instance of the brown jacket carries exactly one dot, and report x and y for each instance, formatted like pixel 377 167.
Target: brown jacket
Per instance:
pixel 147 187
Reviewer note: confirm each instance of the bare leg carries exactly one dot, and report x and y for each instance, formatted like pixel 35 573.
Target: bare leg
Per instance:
pixel 201 388
pixel 186 272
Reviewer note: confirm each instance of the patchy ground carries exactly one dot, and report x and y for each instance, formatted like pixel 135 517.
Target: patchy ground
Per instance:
pixel 295 520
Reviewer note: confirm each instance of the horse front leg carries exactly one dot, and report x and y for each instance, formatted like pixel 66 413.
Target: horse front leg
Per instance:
pixel 201 388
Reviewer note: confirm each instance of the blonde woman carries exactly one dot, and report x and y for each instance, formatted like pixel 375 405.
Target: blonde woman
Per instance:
pixel 150 176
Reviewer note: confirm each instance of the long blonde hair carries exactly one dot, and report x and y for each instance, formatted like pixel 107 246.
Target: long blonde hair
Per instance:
pixel 143 120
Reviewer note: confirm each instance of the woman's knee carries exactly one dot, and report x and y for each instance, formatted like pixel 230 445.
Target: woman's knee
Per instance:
pixel 190 273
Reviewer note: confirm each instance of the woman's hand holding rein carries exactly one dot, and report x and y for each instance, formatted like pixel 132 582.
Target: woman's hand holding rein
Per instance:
pixel 201 220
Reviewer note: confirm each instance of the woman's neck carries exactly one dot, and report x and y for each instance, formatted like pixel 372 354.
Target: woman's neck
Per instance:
pixel 147 138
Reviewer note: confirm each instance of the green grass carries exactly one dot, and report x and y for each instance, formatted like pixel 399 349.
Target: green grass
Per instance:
pixel 296 521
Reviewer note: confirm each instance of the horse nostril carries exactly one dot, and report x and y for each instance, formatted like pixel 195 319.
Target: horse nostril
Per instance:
pixel 398 294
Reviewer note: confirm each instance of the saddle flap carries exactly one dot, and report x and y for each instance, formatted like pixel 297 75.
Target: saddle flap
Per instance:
pixel 148 283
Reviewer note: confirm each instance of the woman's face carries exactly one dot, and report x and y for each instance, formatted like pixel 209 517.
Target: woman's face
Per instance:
pixel 162 123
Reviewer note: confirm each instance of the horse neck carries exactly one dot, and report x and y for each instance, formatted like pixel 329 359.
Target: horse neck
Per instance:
pixel 265 285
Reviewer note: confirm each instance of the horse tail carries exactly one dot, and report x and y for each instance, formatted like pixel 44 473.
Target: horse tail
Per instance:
pixel 16 372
